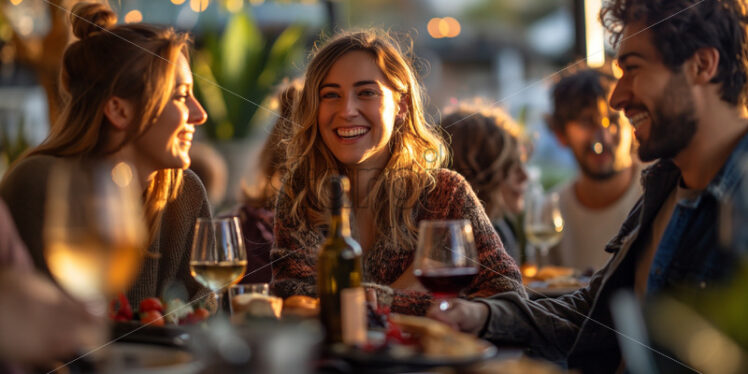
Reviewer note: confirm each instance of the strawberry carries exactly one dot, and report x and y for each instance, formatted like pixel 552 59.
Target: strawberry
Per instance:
pixel 152 317
pixel 151 303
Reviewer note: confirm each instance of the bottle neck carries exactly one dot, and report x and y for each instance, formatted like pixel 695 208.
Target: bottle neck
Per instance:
pixel 339 224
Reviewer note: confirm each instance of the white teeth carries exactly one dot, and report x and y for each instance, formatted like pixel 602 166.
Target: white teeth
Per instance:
pixel 637 119
pixel 351 132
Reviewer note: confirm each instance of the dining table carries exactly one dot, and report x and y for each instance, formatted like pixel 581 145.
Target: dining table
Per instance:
pixel 271 346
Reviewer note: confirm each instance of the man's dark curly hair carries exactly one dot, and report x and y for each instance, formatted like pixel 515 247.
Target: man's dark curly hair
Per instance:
pixel 680 27
pixel 576 91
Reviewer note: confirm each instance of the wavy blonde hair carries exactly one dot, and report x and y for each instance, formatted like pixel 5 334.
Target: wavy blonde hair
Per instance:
pixel 486 143
pixel 416 147
pixel 135 62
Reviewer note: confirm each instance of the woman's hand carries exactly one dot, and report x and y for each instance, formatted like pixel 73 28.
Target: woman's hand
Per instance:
pixel 408 281
pixel 463 315
pixel 39 323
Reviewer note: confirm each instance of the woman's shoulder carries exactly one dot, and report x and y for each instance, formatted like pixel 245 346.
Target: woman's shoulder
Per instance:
pixel 192 186
pixel 30 170
pixel 448 180
pixel 33 164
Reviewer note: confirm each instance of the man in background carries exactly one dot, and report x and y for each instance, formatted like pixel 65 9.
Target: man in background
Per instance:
pixel 687 104
pixel 595 203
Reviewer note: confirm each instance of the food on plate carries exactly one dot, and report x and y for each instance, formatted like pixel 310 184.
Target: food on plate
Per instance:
pixel 436 339
pixel 301 306
pixel 257 305
pixel 549 272
pixel 151 303
pixel 152 318
pixel 564 282
pixel 153 312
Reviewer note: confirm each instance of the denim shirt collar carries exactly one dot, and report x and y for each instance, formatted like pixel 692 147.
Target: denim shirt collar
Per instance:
pixel 727 179
pixel 721 187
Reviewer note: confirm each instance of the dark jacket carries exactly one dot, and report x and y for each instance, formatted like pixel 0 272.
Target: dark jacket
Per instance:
pixel 578 327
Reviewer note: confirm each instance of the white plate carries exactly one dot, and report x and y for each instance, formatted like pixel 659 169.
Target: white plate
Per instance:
pixel 133 358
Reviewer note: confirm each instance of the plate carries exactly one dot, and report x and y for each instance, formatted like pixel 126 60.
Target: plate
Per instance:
pixel 137 358
pixel 134 332
pixel 540 289
pixel 389 358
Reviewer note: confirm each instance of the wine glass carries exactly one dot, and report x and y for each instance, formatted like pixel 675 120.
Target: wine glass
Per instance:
pixel 94 231
pixel 218 259
pixel 543 222
pixel 446 259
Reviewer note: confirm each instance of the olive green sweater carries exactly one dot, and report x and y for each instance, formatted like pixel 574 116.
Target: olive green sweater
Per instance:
pixel 24 189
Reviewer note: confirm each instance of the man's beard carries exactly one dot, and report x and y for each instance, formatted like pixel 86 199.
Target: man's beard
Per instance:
pixel 598 175
pixel 673 122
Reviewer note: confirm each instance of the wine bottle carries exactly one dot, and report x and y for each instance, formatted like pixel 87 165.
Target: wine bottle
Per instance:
pixel 342 299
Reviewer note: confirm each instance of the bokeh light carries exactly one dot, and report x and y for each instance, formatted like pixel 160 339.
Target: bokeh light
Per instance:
pixel 453 27
pixel 446 27
pixel 198 6
pixel 25 25
pixel 433 28
pixel 133 16
pixel 178 2
pixel 234 6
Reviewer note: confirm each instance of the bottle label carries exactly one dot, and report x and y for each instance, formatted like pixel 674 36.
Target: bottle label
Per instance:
pixel 353 315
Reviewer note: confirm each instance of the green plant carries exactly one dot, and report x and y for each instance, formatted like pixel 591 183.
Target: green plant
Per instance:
pixel 13 143
pixel 238 69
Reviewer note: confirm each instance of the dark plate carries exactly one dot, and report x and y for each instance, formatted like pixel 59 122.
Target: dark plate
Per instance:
pixel 387 359
pixel 134 332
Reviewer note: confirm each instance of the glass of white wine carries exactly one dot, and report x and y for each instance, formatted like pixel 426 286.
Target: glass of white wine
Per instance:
pixel 543 223
pixel 219 258
pixel 94 230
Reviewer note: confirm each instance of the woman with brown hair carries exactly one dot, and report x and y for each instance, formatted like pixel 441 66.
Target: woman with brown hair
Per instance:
pixel 487 151
pixel 360 115
pixel 256 213
pixel 128 97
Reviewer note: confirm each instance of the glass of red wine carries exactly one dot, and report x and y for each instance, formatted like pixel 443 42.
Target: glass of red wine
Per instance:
pixel 446 260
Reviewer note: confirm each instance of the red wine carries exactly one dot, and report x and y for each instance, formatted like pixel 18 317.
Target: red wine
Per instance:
pixel 447 282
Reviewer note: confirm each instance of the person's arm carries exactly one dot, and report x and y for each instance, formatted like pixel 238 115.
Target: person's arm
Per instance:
pixel 294 254
pixel 13 253
pixel 547 326
pixel 39 323
pixel 24 189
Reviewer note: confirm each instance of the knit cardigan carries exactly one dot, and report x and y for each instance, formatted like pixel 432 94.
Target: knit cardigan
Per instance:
pixel 294 256
pixel 24 189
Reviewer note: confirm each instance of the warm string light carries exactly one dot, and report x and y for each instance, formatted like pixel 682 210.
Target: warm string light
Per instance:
pixel 177 2
pixel 133 16
pixel 16 2
pixel 446 27
pixel 234 6
pixel 595 44
pixel 198 6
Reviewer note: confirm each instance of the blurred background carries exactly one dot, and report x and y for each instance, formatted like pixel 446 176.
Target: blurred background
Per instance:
pixel 508 51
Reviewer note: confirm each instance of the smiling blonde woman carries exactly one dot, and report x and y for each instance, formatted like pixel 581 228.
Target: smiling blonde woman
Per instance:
pixel 360 114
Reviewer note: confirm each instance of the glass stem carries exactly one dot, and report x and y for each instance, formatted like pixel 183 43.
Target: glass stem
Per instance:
pixel 543 256
pixel 220 309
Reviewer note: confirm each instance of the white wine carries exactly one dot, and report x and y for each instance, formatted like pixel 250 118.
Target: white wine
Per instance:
pixel 543 236
pixel 89 269
pixel 342 299
pixel 218 274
